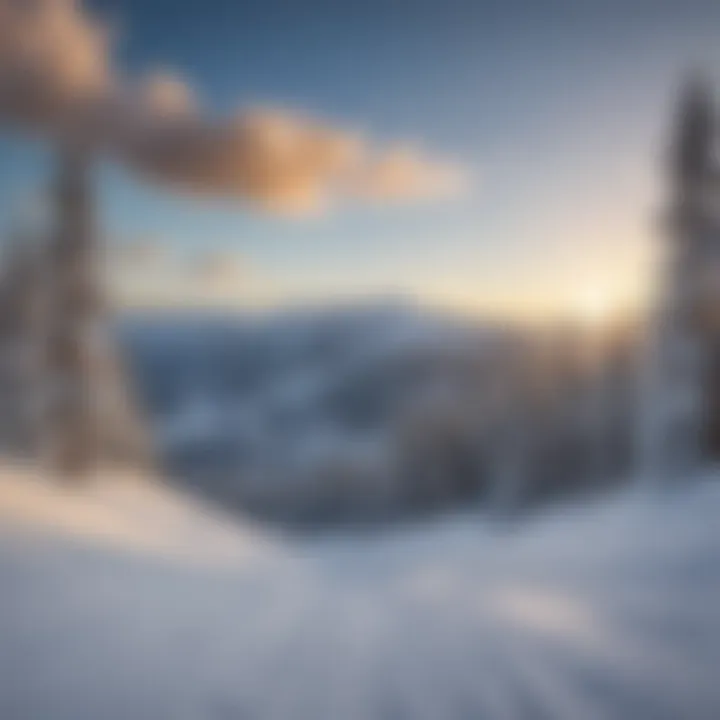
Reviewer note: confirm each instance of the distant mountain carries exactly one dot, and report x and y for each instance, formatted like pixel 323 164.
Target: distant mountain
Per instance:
pixel 356 412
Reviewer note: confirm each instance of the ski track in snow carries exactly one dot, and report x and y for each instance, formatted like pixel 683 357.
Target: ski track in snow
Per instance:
pixel 127 601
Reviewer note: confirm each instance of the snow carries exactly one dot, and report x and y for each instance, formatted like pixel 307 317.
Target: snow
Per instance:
pixel 127 600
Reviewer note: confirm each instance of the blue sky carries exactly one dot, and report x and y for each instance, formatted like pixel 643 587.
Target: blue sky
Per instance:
pixel 559 110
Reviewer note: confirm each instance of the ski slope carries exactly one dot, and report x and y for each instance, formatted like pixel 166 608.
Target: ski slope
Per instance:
pixel 128 601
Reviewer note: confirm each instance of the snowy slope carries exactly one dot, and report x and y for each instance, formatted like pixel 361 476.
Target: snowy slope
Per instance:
pixel 127 601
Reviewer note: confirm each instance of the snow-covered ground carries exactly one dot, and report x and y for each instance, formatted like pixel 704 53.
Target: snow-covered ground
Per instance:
pixel 126 601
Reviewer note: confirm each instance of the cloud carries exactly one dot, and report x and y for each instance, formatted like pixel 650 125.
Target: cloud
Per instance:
pixel 57 77
pixel 284 162
pixel 405 173
pixel 166 94
pixel 143 254
pixel 54 63
pixel 214 278
pixel 148 272
pixel 220 268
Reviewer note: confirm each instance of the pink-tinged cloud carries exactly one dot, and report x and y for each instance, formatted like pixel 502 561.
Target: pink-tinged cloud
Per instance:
pixel 57 77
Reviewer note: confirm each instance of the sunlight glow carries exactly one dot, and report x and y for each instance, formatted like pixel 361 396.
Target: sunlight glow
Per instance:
pixel 593 305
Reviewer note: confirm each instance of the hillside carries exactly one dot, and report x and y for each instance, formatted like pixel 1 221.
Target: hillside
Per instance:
pixel 128 601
